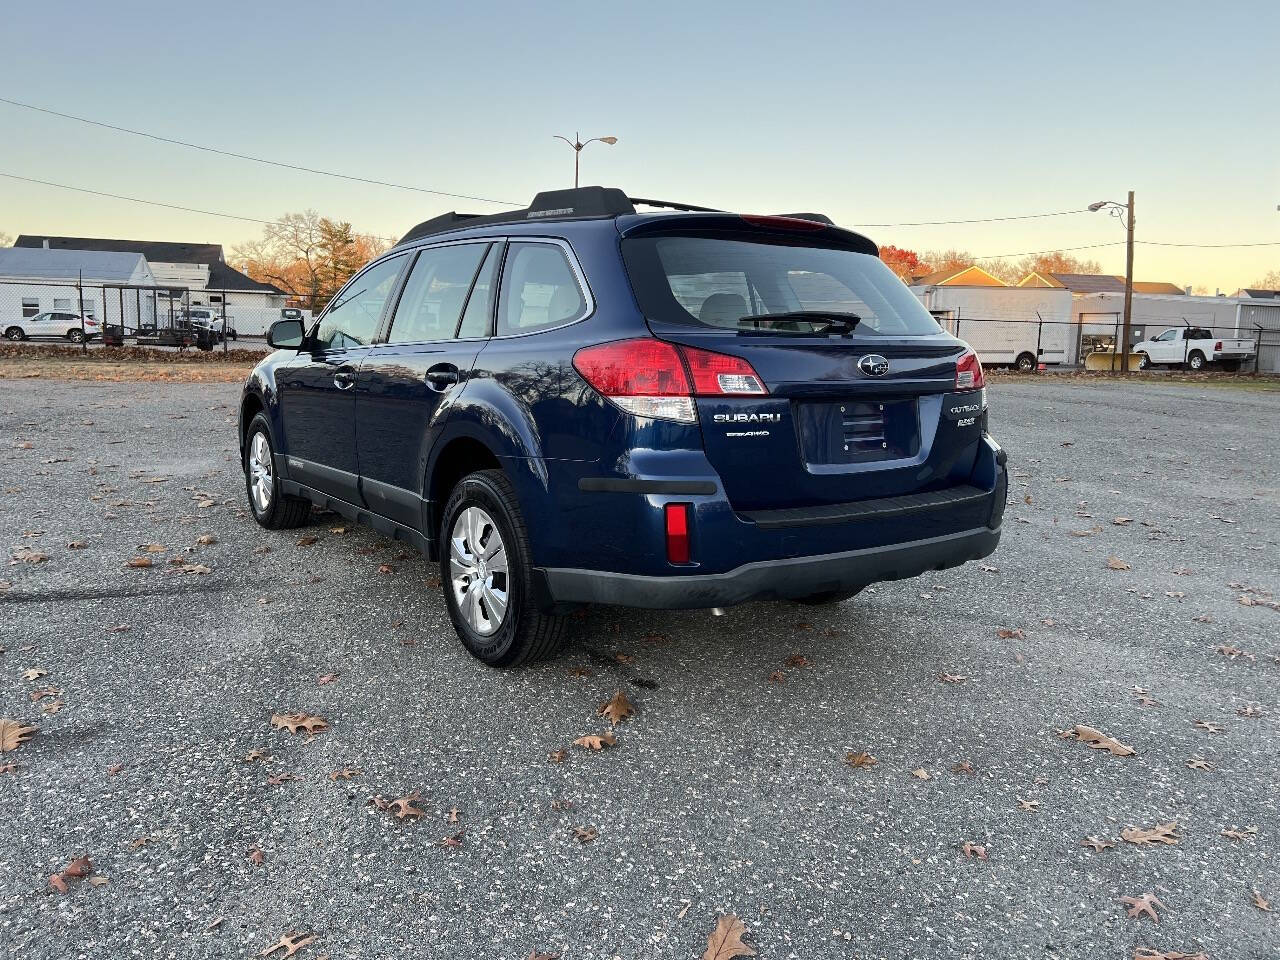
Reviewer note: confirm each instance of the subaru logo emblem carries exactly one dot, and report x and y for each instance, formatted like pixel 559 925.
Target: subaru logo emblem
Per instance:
pixel 874 365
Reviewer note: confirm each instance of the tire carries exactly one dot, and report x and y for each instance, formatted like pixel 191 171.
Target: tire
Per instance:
pixel 270 507
pixel 826 597
pixel 75 335
pixel 1026 363
pixel 15 334
pixel 1195 361
pixel 484 505
pixel 1144 362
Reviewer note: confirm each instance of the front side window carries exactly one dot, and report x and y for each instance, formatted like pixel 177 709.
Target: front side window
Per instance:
pixel 352 318
pixel 30 307
pixel 435 293
pixel 539 289
pixel 716 282
pixel 1167 335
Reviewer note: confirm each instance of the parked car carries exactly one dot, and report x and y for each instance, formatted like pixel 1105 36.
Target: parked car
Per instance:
pixel 201 318
pixel 1194 347
pixel 577 403
pixel 54 324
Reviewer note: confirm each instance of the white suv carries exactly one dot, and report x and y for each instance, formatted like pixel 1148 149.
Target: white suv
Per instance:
pixel 55 324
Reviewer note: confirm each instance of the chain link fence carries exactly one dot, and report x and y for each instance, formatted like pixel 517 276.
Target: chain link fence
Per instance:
pixel 112 314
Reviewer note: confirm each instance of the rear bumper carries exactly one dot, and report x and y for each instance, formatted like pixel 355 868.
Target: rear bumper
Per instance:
pixel 773 579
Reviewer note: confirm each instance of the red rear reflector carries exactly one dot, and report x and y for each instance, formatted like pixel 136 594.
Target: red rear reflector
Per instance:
pixel 1218 345
pixel 969 373
pixel 677 516
pixel 783 223
pixel 718 374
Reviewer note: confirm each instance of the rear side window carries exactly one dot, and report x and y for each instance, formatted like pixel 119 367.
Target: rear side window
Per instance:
pixel 475 319
pixel 539 289
pixel 715 282
pixel 436 292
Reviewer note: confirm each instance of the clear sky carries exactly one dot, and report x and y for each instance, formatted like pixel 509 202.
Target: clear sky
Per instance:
pixel 870 112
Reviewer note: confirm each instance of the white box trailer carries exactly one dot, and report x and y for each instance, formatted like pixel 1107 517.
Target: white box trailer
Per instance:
pixel 1006 326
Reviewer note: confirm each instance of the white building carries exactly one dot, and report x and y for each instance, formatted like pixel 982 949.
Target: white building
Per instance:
pixel 34 281
pixel 198 271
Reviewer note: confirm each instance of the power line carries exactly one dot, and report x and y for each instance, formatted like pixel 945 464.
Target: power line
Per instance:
pixel 1033 253
pixel 151 203
pixel 939 223
pixel 245 156
pixel 1120 243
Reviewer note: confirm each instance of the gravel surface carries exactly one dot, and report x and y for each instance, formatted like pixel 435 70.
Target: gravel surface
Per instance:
pixel 727 791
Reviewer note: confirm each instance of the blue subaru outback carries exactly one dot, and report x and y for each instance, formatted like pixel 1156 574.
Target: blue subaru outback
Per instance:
pixel 578 403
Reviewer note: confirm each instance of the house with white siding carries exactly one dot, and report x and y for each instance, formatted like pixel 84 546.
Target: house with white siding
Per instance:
pixel 39 280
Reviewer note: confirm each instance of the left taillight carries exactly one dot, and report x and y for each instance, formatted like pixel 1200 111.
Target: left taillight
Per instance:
pixel 969 372
pixel 653 378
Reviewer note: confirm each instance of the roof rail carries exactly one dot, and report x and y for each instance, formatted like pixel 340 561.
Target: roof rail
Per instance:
pixel 670 205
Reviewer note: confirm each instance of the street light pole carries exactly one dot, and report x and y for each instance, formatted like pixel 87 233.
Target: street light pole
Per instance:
pixel 577 145
pixel 1125 212
pixel 1128 288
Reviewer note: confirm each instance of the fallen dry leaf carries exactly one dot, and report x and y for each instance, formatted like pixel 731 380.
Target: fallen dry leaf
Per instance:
pixel 579 672
pixel 453 840
pixel 1252 710
pixel 1145 904
pixel 1147 837
pixel 798 660
pixel 860 760
pixel 1248 833
pixel 290 943
pixel 964 766
pixel 402 807
pixel 594 742
pixel 920 773
pixel 1261 902
pixel 77 545
pixel 1148 953
pixel 1098 740
pixel 1031 805
pixel 308 541
pixel 971 850
pixel 346 773
pixel 454 814
pixel 14 734
pixel 616 709
pixel 558 756
pixel 8 768
pixel 1097 844
pixel 951 678
pixel 140 562
pixel 777 677
pixel 255 856
pixel 327 678
pixel 35 673
pixel 1198 763
pixel 585 834
pixel 386 568
pixel 1121 521
pixel 1115 563
pixel 256 754
pixel 97 880
pixel 276 779
pixel 293 722
pixel 206 540
pixel 725 942
pixel 1208 727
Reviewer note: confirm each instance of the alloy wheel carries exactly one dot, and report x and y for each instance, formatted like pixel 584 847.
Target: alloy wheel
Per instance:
pixel 260 476
pixel 478 570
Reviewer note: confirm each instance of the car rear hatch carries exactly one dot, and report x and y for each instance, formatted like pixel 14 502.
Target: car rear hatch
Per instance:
pixel 849 410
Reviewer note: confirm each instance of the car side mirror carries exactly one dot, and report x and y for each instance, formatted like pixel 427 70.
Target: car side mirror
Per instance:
pixel 286 334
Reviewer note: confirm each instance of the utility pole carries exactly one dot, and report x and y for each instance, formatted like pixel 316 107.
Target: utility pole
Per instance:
pixel 577 145
pixel 1128 288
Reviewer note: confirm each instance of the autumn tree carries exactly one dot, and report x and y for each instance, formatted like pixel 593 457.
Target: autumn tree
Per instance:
pixel 5 239
pixel 1047 263
pixel 307 255
pixel 1269 282
pixel 905 263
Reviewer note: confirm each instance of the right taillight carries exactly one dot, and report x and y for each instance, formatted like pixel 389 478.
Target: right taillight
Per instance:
pixel 652 378
pixel 969 372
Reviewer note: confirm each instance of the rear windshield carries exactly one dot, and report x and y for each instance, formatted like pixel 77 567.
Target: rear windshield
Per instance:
pixel 715 282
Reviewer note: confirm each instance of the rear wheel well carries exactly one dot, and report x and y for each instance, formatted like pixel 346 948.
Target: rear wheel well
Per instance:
pixel 460 457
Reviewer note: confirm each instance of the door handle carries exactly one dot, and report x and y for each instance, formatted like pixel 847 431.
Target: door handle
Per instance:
pixel 442 376
pixel 344 378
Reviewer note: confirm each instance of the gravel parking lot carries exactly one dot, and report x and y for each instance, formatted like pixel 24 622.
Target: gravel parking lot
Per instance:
pixel 728 791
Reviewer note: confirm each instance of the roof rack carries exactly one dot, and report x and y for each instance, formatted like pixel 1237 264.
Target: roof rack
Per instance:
pixel 580 203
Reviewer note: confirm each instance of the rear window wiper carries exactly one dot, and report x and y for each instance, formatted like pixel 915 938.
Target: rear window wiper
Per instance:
pixel 823 321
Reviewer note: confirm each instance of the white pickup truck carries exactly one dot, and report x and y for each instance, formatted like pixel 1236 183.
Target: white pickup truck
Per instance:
pixel 1193 346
